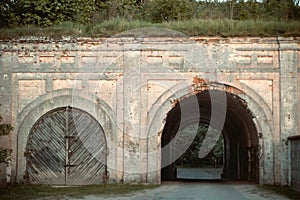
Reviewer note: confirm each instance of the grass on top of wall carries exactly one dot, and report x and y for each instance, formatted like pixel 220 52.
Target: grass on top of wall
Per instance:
pixel 193 27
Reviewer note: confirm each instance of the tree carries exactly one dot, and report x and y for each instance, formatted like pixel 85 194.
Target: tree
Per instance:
pixel 191 155
pixel 51 12
pixel 9 10
pixel 5 152
pixel 281 9
pixel 127 9
pixel 231 8
pixel 254 8
pixel 168 10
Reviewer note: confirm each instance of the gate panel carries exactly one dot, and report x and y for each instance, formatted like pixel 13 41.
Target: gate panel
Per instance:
pixel 45 150
pixel 87 151
pixel 66 147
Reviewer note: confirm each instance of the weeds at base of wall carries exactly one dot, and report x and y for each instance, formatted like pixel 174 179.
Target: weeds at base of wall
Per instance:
pixel 282 190
pixel 25 191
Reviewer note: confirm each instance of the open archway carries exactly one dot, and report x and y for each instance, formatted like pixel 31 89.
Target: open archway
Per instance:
pixel 239 133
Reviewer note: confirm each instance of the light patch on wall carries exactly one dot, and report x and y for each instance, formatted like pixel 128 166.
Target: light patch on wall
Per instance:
pixel 25 59
pixel 109 59
pixel 240 59
pixel 29 90
pixel 89 59
pixel 176 61
pixel 67 59
pixel 264 88
pixel 265 59
pixel 66 83
pixel 155 88
pixel 104 89
pixel 154 59
pixel 46 59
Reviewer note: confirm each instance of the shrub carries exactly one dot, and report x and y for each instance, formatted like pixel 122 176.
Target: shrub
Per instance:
pixel 4 152
pixel 48 12
pixel 167 10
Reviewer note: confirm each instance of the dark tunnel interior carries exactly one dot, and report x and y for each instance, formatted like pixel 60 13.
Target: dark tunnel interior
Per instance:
pixel 239 133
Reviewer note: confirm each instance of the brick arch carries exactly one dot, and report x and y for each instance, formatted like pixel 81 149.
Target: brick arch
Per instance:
pixel 255 104
pixel 97 108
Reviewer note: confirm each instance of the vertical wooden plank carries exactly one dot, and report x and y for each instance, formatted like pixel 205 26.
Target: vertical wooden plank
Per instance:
pixel 45 157
pixel 87 149
pixel 66 147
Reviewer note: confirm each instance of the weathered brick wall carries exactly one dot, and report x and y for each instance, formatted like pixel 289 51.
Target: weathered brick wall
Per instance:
pixel 294 162
pixel 124 84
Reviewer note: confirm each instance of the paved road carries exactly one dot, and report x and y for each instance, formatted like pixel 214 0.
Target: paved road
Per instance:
pixel 198 191
pixel 199 173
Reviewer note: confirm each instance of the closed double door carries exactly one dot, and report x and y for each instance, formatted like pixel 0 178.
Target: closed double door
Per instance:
pixel 66 146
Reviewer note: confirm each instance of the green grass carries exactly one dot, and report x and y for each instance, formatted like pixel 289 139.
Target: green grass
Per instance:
pixel 42 191
pixel 229 28
pixel 193 27
pixel 284 191
pixel 64 29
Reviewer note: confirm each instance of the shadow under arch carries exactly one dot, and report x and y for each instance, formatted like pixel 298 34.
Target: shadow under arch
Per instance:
pixel 239 132
pixel 96 108
pixel 257 116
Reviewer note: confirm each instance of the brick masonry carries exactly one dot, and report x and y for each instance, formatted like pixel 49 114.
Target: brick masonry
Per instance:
pixel 127 83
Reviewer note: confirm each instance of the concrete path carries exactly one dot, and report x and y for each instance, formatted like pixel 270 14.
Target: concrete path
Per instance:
pixel 199 173
pixel 198 191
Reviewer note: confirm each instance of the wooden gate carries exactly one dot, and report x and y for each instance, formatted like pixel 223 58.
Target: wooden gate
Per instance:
pixel 66 146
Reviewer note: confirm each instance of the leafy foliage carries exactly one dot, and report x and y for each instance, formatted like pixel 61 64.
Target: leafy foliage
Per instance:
pixel 126 9
pixel 250 9
pixel 4 155
pixel 49 12
pixel 168 10
pixel 4 152
pixel 213 158
pixel 9 13
pixel 44 13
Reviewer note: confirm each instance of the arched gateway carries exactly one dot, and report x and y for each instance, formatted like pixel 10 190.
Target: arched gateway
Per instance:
pixel 66 146
pixel 131 86
pixel 240 161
